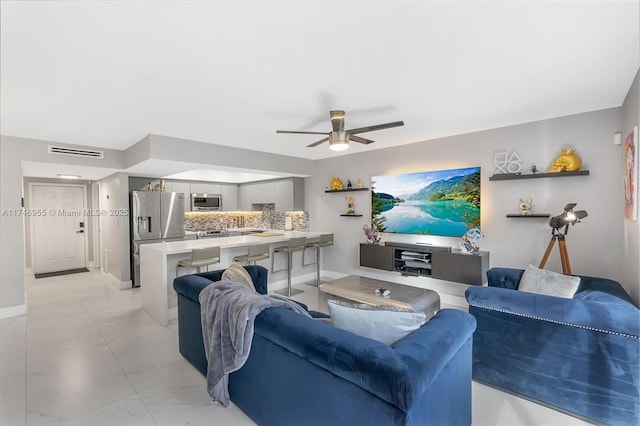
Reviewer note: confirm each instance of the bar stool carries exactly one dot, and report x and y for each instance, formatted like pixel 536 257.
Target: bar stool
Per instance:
pixel 325 240
pixel 256 252
pixel 295 244
pixel 201 257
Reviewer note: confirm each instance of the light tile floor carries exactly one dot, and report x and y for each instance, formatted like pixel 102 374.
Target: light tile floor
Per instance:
pixel 87 354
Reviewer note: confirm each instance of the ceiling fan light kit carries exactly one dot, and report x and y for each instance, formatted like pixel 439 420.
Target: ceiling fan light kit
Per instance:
pixel 337 144
pixel 339 137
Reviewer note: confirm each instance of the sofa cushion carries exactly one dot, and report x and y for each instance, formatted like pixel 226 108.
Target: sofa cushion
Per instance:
pixel 236 272
pixel 551 283
pixel 386 324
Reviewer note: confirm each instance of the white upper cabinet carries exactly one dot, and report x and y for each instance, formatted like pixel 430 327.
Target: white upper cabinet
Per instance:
pixel 290 194
pixel 263 193
pixel 183 187
pixel 205 188
pixel 245 192
pixel 229 193
pixel 284 195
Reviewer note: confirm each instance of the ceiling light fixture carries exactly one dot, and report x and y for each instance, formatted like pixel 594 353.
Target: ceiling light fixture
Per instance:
pixel 338 143
pixel 65 176
pixel 339 137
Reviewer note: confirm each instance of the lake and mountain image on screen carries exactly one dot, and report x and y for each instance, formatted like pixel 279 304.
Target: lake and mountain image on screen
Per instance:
pixel 444 202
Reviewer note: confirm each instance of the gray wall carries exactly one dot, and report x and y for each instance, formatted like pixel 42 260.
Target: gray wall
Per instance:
pixel 593 245
pixel 168 148
pixel 631 230
pixel 12 230
pixel 114 229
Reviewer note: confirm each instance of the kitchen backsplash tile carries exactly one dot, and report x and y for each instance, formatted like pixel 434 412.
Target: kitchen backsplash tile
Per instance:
pixel 268 218
pixel 299 220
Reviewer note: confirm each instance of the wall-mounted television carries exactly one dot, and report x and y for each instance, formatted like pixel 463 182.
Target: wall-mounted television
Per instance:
pixel 441 202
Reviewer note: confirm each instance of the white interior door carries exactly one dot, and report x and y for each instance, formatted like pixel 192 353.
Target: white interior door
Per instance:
pixel 58 227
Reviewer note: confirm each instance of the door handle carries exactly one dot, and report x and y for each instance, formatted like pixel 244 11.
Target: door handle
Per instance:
pixel 80 231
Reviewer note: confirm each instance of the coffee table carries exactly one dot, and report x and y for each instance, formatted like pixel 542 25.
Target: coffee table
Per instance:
pixel 362 290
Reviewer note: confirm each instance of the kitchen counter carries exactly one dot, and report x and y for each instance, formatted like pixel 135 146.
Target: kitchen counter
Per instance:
pixel 253 229
pixel 185 246
pixel 158 265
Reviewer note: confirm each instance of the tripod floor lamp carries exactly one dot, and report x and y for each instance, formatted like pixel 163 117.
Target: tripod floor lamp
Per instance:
pixel 563 220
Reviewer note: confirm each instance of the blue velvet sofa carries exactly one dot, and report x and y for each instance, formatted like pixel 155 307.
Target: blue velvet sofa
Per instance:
pixel 577 355
pixel 304 371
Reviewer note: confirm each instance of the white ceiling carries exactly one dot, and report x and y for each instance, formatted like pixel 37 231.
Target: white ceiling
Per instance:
pixel 105 74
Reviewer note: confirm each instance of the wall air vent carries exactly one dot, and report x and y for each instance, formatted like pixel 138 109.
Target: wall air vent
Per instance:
pixel 75 152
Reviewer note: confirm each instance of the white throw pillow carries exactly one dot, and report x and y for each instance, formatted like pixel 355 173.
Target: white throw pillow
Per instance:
pixel 235 272
pixel 387 324
pixel 551 283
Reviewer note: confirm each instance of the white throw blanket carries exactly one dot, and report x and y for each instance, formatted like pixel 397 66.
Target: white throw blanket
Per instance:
pixel 228 310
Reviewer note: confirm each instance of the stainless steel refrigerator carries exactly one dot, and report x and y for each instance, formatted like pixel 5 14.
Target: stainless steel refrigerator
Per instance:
pixel 155 217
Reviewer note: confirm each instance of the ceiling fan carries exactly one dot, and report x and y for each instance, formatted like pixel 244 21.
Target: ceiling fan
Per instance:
pixel 339 137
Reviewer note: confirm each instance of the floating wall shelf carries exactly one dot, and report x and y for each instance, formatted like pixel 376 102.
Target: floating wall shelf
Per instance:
pixel 347 190
pixel 531 216
pixel 351 215
pixel 514 176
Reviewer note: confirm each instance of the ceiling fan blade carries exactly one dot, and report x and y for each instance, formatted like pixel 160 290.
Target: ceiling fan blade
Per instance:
pixel 360 139
pixel 376 127
pixel 318 143
pixel 302 132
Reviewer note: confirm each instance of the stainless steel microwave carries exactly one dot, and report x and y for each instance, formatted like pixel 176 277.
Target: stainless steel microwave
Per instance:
pixel 206 202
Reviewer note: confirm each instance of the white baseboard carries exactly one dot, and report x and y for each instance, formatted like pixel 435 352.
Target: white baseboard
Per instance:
pixel 120 285
pixel 172 313
pixel 13 311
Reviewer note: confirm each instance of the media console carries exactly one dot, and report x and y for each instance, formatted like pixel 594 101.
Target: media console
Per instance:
pixel 425 260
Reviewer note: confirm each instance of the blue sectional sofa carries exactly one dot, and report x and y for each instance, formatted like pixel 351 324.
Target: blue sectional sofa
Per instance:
pixel 304 371
pixel 577 355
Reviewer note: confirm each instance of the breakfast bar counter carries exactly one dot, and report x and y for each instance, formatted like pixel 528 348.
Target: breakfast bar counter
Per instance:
pixel 158 265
